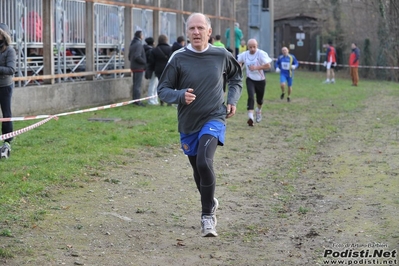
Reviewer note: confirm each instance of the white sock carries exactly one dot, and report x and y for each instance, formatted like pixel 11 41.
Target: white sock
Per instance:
pixel 251 115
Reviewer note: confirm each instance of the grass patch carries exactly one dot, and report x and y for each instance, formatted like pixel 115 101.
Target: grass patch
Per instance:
pixel 6 254
pixel 6 232
pixel 303 210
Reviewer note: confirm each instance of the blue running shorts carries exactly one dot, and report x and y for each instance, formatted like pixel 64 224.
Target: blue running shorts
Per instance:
pixel 189 142
pixel 284 78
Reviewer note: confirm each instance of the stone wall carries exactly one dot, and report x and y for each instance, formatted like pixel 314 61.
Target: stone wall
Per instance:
pixel 53 99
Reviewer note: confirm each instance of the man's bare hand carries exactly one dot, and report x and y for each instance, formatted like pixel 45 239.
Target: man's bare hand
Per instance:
pixel 189 96
pixel 231 110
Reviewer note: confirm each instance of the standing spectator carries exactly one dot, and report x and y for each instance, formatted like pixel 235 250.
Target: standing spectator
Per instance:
pixel 354 64
pixel 159 57
pixel 149 44
pixel 285 65
pixel 243 47
pixel 192 80
pixel 218 42
pixel 211 40
pixel 149 73
pixel 138 62
pixel 179 43
pixel 7 70
pixel 255 61
pixel 238 37
pixel 330 63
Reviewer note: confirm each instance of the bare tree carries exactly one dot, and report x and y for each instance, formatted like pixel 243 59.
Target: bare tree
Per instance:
pixel 393 55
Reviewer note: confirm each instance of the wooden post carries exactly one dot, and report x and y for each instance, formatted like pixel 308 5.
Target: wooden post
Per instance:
pixel 156 23
pixel 218 11
pixel 180 29
pixel 128 35
pixel 271 11
pixel 200 6
pixel 232 28
pixel 48 37
pixel 89 39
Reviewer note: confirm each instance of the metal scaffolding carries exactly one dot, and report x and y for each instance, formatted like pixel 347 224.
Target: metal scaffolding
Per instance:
pixel 70 36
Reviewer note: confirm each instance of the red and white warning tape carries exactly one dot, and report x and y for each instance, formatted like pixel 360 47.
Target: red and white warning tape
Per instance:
pixel 342 65
pixel 23 118
pixel 49 117
pixel 23 130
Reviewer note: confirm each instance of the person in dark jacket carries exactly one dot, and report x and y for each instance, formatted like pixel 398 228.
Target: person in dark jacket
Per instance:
pixel 7 70
pixel 149 44
pixel 179 43
pixel 138 62
pixel 149 73
pixel 159 57
pixel 192 79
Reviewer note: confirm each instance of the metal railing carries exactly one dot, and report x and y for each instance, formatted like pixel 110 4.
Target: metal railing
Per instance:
pixel 24 18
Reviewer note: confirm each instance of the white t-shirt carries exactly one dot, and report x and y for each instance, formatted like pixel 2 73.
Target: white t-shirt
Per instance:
pixel 259 58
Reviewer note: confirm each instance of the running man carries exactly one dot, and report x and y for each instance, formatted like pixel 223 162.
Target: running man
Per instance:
pixel 255 61
pixel 285 65
pixel 193 79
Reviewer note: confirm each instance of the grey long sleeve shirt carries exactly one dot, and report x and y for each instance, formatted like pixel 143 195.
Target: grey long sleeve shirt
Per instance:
pixel 203 72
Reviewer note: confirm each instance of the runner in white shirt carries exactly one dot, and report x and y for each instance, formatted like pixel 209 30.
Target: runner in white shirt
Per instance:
pixel 255 61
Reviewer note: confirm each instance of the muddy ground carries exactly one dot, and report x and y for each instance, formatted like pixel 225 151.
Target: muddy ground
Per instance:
pixel 146 211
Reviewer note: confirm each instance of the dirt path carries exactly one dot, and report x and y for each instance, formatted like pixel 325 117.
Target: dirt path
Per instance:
pixel 147 211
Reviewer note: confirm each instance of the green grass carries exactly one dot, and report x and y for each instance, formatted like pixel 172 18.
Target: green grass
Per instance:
pixel 6 254
pixel 6 232
pixel 72 150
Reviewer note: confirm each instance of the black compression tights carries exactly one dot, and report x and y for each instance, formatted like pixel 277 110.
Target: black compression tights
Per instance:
pixel 204 176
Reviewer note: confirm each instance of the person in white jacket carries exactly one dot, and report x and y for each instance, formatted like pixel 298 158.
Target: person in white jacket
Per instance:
pixel 256 62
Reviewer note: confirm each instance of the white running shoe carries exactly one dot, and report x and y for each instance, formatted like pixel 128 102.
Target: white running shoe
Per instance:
pixel 208 226
pixel 215 207
pixel 258 115
pixel 327 81
pixel 5 150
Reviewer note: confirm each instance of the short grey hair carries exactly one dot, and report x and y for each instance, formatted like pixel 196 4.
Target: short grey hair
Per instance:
pixel 207 19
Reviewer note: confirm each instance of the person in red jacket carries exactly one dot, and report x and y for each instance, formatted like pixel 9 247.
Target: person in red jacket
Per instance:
pixel 354 64
pixel 330 63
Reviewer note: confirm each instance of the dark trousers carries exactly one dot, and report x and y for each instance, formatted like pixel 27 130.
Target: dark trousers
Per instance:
pixel 255 87
pixel 137 80
pixel 204 176
pixel 5 102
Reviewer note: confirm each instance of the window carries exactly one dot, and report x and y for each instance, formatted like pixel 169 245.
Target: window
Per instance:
pixel 265 5
pixel 254 14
